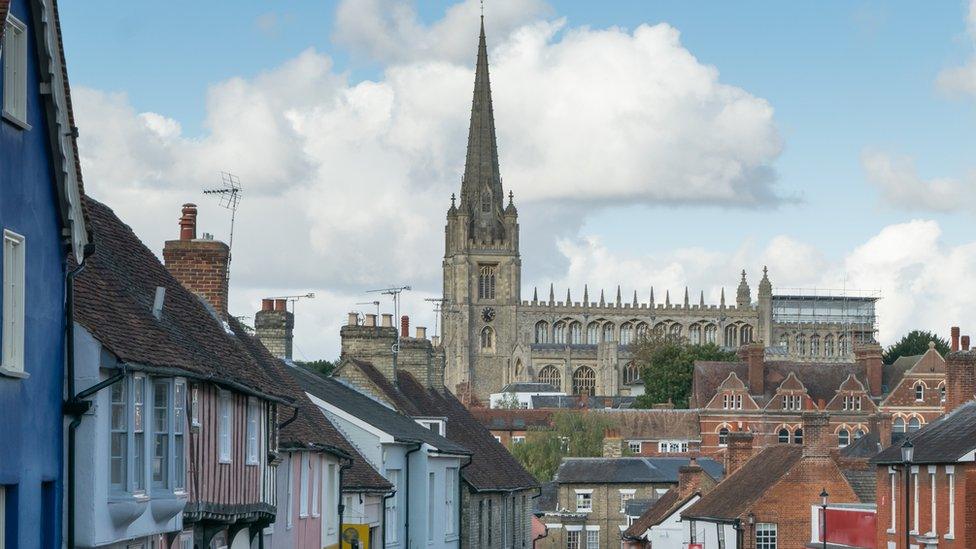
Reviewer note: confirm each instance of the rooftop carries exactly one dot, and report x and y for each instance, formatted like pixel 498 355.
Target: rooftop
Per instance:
pixel 629 470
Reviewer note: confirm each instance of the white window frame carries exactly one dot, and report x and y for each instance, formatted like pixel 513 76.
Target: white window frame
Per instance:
pixel 932 470
pixel 14 60
pixel 178 481
pixel 14 308
pixel 303 488
pixel 253 426
pixel 195 406
pixel 592 540
pixel 166 408
pixel 290 491
pixel 518 439
pixel 915 499
pixel 392 509
pixel 140 462
pixel 449 493
pixel 431 509
pixel 225 426
pixel 626 494
pixel 124 431
pixel 767 528
pixel 587 497
pixel 893 499
pixel 951 481
pixel 317 474
pixel 634 446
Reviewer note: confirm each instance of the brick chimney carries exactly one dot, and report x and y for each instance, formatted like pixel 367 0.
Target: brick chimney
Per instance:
pixel 954 335
pixel 274 326
pixel 960 379
pixel 418 356
pixel 199 264
pixel 404 326
pixel 371 343
pixel 965 342
pixel 753 355
pixel 613 444
pixel 816 435
pixel 738 451
pixel 880 423
pixel 692 478
pixel 868 356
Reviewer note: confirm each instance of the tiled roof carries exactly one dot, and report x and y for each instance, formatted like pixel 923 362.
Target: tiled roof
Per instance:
pixel 628 470
pixel 656 513
pixel 822 380
pixel 867 446
pixel 733 496
pixel 945 440
pixel 863 482
pixel 576 401
pixel 893 372
pixel 114 298
pixel 401 427
pixel 526 387
pixel 512 419
pixel 548 499
pixel 633 424
pixel 311 428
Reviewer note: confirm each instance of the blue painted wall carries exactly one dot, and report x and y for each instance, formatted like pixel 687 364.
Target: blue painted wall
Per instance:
pixel 30 409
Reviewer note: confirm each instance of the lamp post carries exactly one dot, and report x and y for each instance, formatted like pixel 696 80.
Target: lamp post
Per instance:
pixel 751 518
pixel 907 453
pixel 823 519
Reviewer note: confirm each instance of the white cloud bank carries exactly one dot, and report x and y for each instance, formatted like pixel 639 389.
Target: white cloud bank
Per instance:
pixel 902 187
pixel 962 80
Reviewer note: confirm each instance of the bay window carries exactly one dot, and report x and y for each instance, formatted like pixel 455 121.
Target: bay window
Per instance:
pixel 160 463
pixel 253 415
pixel 139 432
pixel 120 438
pixel 179 422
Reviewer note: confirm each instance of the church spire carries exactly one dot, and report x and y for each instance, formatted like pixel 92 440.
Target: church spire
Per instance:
pixel 481 188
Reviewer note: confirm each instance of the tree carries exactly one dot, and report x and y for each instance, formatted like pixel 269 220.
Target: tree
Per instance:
pixel 509 401
pixel 322 366
pixel 667 363
pixel 915 342
pixel 572 434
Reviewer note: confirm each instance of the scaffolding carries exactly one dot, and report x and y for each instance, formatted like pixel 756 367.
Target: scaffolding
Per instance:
pixel 854 310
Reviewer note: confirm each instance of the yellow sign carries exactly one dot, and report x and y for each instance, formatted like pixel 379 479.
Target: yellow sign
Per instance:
pixel 354 536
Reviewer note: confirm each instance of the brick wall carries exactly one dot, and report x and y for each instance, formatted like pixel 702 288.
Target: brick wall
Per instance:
pixel 201 267
pixel 606 512
pixel 371 344
pixel 964 534
pixel 960 378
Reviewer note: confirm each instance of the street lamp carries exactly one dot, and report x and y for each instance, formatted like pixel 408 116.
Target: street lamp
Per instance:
pixel 823 505
pixel 907 453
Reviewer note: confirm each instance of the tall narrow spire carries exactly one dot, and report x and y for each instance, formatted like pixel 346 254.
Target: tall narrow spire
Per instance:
pixel 481 188
pixel 552 294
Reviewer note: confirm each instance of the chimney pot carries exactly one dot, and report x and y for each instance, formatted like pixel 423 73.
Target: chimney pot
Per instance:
pixel 371 320
pixel 435 340
pixel 404 326
pixel 954 331
pixel 387 320
pixel 188 222
pixel 421 332
pixel 280 304
pixel 965 343
pixel 352 319
pixel 267 304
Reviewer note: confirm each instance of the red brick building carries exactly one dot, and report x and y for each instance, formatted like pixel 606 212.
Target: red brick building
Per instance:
pixel 938 487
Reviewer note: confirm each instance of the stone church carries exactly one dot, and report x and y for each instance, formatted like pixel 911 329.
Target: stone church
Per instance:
pixel 493 337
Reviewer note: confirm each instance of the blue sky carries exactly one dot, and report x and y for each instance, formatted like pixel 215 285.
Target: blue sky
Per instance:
pixel 842 78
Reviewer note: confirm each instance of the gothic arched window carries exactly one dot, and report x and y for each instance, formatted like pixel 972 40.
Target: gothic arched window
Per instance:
pixel 914 424
pixel 486 282
pixel 745 334
pixel 660 329
pixel 642 331
pixel 859 433
pixel 550 374
pixel 675 330
pixel 631 373
pixel 542 332
pixel 919 391
pixel 487 338
pixel 626 333
pixel 694 334
pixel 584 381
pixel 842 346
pixel 898 426
pixel 731 336
pixel 592 333
pixel 710 332
pixel 608 332
pixel 814 345
pixel 723 436
pixel 829 346
pixel 942 393
pixel 486 201
pixel 559 332
pixel 801 345
pixel 576 333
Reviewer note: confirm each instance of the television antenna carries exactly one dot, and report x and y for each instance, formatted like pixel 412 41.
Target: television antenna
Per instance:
pixel 294 298
pixel 229 195
pixel 374 303
pixel 394 292
pixel 438 307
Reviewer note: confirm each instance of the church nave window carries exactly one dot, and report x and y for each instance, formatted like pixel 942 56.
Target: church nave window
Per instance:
pixel 542 332
pixel 642 331
pixel 675 330
pixel 592 333
pixel 694 334
pixel 631 373
pixel 626 333
pixel 559 332
pixel 576 333
pixel 584 381
pixel 731 336
pixel 710 331
pixel 745 335
pixel 550 374
pixel 608 331
pixel 486 282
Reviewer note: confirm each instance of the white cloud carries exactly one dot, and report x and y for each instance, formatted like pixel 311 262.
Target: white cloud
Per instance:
pixel 901 186
pixel 962 80
pixel 346 183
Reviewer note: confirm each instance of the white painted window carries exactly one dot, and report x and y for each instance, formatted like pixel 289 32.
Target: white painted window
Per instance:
pixel 584 502
pixel 179 426
pixel 915 499
pixel 120 438
pixel 14 264
pixel 517 439
pixel 766 535
pixel 138 433
pixel 625 496
pixel 224 427
pixel 573 539
pixel 14 53
pixel 289 488
pixel 634 446
pixel 333 488
pixel 186 541
pixel 303 490
pixel 932 470
pixel 435 425
pixel 592 539
pixel 253 417
pixel 951 481
pixel 317 480
pixel 392 524
pixel 431 510
pixel 894 500
pixel 160 455
pixel 450 490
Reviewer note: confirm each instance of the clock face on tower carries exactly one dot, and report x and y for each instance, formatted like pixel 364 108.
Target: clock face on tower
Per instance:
pixel 488 313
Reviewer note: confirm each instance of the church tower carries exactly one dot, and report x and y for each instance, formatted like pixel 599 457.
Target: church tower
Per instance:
pixel 482 268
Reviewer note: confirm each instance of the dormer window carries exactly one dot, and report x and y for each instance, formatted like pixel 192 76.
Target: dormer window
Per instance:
pixel 435 425
pixel 725 402
pixel 857 403
pixel 792 402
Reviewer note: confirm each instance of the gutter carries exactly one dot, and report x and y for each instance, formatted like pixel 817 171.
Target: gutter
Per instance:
pixel 460 527
pixel 406 485
pixel 210 378
pixel 342 507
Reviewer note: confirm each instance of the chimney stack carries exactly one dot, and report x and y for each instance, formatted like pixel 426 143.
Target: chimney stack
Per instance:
pixel 868 356
pixel 274 327
pixel 816 435
pixel 370 320
pixel 960 379
pixel 753 354
pixel 371 343
pixel 965 342
pixel 421 332
pixel 387 320
pixel 404 326
pixel 200 265
pixel 954 331
pixel 692 478
pixel 738 451
pixel 880 423
pixel 613 444
pixel 352 319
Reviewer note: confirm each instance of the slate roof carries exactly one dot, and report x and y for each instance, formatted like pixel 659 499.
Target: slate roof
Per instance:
pixel 893 372
pixel 944 440
pixel 526 387
pixel 820 379
pixel 628 470
pixel 492 467
pixel 576 401
pixel 512 419
pixel 733 496
pixel 657 512
pixel 863 482
pixel 634 424
pixel 548 499
pixel 311 429
pixel 867 446
pixel 401 427
pixel 114 298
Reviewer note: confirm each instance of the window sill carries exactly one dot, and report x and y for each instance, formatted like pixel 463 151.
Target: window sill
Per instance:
pixel 890 531
pixel 451 537
pixel 15 121
pixel 949 536
pixel 16 374
pixel 224 462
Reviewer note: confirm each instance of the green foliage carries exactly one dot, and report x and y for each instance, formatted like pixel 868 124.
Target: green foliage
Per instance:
pixel 323 367
pixel 573 434
pixel 509 401
pixel 666 364
pixel 915 342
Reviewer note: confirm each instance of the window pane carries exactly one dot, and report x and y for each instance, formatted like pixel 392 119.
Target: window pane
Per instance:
pixel 160 462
